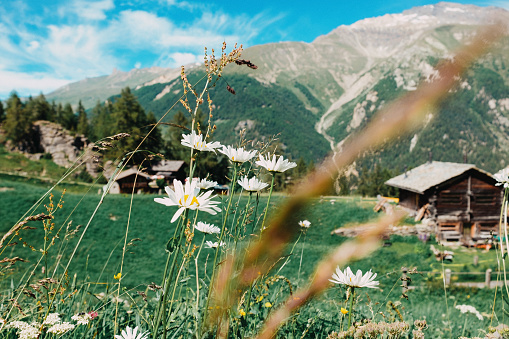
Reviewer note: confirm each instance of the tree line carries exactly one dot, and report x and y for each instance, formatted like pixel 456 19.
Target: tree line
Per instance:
pixel 124 114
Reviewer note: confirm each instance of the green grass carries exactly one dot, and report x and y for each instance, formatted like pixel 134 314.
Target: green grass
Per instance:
pixel 98 258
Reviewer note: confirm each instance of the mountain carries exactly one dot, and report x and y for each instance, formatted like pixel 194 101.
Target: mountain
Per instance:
pixel 91 90
pixel 317 94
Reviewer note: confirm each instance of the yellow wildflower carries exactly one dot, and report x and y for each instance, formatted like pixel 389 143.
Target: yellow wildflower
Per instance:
pixel 242 313
pixel 117 276
pixel 267 304
pixel 344 310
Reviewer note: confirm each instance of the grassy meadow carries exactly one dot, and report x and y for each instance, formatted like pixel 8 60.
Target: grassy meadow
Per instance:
pixel 99 256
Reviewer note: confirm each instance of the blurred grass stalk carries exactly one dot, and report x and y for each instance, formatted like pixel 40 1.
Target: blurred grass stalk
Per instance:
pixel 402 116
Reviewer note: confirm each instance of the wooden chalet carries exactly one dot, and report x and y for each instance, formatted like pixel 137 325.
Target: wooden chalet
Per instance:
pixel 169 169
pixel 126 180
pixel 462 199
pixel 145 182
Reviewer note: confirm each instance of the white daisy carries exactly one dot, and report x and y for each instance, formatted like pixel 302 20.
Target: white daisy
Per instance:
pixel 132 333
pixel 502 178
pixel 354 280
pixel 304 223
pixel 188 197
pixel 275 166
pixel 252 185
pixel 205 184
pixel 207 228
pixel 237 154
pixel 211 244
pixel 195 141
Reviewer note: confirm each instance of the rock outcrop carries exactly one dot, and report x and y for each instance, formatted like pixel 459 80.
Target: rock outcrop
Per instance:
pixel 64 148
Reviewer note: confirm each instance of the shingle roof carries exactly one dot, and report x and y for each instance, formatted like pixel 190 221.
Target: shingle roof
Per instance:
pixel 167 166
pixel 131 171
pixel 429 175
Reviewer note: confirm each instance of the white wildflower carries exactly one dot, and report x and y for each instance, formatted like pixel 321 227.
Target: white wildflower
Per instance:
pixel 211 244
pixel 82 318
pixel 502 178
pixel 279 165
pixel 187 197
pixel 195 141
pixel 132 333
pixel 25 331
pixel 61 328
pixel 237 154
pixel 207 228
pixel 252 185
pixel 305 223
pixel 52 319
pixel 354 280
pixel 205 184
pixel 470 309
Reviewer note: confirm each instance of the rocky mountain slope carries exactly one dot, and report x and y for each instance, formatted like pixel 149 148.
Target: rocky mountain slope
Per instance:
pixel 331 87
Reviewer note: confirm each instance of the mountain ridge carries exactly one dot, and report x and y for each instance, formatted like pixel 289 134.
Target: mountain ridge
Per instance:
pixel 342 78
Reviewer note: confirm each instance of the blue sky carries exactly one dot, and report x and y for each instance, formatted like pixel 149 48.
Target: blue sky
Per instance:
pixel 47 44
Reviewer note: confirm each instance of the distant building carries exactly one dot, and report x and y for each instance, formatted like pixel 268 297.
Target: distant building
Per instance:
pixel 169 169
pixel 130 181
pixel 462 199
pixel 146 181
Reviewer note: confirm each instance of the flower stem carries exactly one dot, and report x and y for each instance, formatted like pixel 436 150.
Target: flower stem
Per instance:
pixel 268 199
pixel 234 178
pixel 350 311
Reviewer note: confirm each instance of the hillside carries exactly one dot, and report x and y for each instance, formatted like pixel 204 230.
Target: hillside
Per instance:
pixel 317 94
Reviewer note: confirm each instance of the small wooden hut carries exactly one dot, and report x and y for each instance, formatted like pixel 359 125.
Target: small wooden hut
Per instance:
pixel 462 199
pixel 129 179
pixel 169 169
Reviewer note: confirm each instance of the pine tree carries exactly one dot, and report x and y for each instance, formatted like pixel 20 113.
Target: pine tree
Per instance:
pixel 39 109
pixel 68 119
pixel 154 141
pixel 128 117
pixel 101 122
pixel 82 126
pixel 2 112
pixel 17 123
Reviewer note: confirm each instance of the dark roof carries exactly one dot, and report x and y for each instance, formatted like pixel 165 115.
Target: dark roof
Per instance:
pixel 167 166
pixel 429 175
pixel 129 172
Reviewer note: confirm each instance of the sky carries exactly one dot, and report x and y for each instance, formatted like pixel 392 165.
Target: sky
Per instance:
pixel 47 44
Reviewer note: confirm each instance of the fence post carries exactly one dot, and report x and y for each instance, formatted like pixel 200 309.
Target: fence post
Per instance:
pixel 404 285
pixel 487 279
pixel 447 276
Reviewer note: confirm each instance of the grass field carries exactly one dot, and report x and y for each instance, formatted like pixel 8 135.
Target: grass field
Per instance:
pixel 99 255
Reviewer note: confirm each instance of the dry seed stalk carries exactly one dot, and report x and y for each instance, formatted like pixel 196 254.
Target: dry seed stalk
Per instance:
pixel 403 115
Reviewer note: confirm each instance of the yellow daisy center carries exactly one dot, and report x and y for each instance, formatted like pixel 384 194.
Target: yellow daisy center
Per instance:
pixel 194 200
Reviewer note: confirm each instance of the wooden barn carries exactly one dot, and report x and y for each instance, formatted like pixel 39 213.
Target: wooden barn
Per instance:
pixel 169 169
pixel 130 178
pixel 462 199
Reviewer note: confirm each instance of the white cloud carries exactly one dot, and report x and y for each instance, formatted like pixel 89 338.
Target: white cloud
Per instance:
pixel 77 50
pixel 91 38
pixel 180 59
pixel 26 84
pixel 88 10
